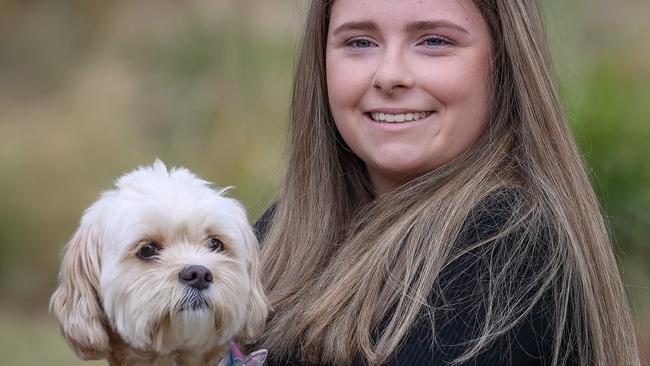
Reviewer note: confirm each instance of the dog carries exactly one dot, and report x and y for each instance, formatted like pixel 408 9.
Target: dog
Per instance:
pixel 163 270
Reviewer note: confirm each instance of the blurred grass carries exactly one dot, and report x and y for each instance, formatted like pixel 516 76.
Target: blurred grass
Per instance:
pixel 90 90
pixel 35 340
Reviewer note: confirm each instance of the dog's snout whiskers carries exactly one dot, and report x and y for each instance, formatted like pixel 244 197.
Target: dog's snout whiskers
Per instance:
pixel 192 300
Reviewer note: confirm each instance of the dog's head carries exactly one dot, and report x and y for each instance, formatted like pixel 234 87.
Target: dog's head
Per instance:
pixel 166 262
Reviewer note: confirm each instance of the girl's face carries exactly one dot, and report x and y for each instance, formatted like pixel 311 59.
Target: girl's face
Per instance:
pixel 407 82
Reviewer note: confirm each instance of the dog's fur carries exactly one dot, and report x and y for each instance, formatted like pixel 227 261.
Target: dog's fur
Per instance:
pixel 112 304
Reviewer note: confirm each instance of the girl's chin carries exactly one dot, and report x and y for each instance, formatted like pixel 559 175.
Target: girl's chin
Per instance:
pixel 392 175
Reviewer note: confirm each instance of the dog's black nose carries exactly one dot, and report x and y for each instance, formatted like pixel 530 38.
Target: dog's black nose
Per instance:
pixel 198 277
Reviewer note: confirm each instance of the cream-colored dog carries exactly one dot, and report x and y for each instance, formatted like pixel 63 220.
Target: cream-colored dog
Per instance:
pixel 163 270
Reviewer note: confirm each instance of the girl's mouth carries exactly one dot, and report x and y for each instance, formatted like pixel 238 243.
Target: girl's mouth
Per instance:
pixel 397 117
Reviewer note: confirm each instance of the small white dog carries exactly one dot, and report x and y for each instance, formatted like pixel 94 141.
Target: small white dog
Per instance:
pixel 163 270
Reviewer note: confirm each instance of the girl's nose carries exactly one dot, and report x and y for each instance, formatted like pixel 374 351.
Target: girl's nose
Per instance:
pixel 392 73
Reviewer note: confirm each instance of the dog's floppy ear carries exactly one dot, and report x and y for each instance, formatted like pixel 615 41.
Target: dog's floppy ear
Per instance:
pixel 258 305
pixel 75 302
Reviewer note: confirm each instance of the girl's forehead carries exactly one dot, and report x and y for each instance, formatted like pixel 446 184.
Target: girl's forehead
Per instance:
pixel 388 13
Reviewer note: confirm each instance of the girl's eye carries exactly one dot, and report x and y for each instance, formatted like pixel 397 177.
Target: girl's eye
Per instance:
pixel 215 245
pixel 436 42
pixel 359 43
pixel 148 251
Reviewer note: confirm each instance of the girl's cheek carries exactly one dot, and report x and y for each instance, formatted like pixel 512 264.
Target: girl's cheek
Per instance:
pixel 452 82
pixel 347 81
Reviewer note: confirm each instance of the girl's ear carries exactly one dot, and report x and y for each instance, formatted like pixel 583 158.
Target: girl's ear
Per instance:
pixel 258 305
pixel 75 303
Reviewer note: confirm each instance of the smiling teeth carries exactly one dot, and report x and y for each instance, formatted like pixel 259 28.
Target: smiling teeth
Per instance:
pixel 397 118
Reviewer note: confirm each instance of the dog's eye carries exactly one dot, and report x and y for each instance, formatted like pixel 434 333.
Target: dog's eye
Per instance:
pixel 215 245
pixel 148 250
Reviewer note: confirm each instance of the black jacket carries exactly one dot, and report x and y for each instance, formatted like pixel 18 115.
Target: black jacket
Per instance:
pixel 528 343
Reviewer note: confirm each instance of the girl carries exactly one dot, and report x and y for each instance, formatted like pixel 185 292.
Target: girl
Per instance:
pixel 435 208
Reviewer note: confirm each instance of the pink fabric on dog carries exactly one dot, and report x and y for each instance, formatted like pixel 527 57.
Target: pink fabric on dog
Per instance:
pixel 236 358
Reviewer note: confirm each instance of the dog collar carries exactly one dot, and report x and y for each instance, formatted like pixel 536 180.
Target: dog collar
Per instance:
pixel 235 357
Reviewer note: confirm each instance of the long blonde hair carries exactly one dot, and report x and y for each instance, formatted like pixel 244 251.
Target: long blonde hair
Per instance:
pixel 338 260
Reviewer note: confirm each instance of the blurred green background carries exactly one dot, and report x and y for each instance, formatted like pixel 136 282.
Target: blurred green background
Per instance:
pixel 92 89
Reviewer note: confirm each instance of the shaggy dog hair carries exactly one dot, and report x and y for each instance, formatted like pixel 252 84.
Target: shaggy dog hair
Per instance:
pixel 163 270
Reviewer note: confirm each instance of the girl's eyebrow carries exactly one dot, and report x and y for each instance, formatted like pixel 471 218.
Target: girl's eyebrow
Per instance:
pixel 433 24
pixel 369 25
pixel 366 25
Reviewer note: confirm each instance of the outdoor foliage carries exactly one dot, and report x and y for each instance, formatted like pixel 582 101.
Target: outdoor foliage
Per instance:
pixel 90 90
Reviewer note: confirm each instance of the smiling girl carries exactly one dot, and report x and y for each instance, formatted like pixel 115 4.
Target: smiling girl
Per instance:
pixel 435 208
